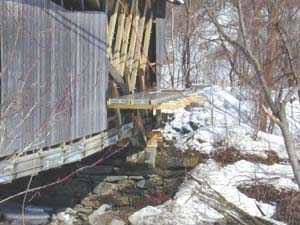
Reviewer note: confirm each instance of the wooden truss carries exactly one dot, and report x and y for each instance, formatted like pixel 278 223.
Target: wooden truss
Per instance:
pixel 129 35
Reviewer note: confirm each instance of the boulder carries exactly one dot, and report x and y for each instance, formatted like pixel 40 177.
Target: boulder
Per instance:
pixel 105 189
pixel 117 222
pixel 113 179
pixel 141 184
pixel 100 216
pixel 125 184
pixel 169 158
pixel 171 185
pixel 138 217
pixel 68 217
pixel 154 182
pixel 91 201
pixel 136 178
pixel 127 199
pixel 120 200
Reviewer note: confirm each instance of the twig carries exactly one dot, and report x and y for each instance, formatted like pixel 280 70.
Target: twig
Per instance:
pixel 24 199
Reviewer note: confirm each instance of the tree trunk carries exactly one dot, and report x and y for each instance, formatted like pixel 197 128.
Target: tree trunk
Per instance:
pixel 290 147
pixel 262 117
pixel 187 53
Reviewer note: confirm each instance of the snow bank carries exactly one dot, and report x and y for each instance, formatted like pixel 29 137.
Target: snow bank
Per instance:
pixel 188 209
pixel 224 120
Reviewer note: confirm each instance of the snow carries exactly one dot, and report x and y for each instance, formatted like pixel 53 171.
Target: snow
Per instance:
pixel 225 120
pixel 186 208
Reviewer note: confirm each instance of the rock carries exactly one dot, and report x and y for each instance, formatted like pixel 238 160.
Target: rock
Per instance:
pixel 170 214
pixel 169 159
pixel 105 216
pixel 185 130
pixel 136 158
pixel 91 201
pixel 113 179
pixel 125 184
pixel 105 189
pixel 96 217
pixel 83 216
pixel 156 180
pixel 68 217
pixel 138 217
pixel 141 184
pixel 193 125
pixel 120 200
pixel 84 210
pixel 127 199
pixel 171 185
pixel 136 177
pixel 170 173
pixel 117 222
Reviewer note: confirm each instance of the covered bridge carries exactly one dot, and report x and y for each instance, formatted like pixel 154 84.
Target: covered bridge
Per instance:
pixel 61 61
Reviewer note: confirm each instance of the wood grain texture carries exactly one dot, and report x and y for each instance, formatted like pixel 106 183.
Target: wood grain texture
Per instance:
pixel 160 27
pixel 53 89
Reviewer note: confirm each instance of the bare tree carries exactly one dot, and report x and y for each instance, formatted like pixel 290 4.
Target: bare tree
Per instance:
pixel 265 71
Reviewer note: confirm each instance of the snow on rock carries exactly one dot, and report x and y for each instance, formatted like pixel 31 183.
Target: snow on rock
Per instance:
pixel 244 172
pixel 173 212
pixel 188 209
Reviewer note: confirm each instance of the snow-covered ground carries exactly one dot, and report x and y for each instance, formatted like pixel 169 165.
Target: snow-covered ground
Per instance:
pixel 224 120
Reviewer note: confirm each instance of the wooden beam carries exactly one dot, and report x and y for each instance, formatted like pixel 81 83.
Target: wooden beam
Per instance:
pixel 115 93
pixel 117 77
pixel 138 47
pixel 119 36
pixel 112 25
pixel 131 50
pixel 146 41
pixel 168 105
pixel 125 41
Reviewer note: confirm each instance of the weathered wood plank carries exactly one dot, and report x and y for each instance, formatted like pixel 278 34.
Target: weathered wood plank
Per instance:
pixel 160 26
pixel 113 15
pixel 119 36
pixel 132 44
pixel 142 43
pixel 126 37
pixel 54 88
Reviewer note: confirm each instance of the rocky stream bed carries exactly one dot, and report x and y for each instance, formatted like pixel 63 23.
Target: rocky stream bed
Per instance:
pixel 107 194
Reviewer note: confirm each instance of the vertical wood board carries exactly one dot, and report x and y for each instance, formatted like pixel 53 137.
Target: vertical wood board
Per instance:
pixel 53 88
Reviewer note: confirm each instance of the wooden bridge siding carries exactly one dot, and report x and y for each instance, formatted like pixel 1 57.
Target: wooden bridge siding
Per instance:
pixel 161 54
pixel 61 64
